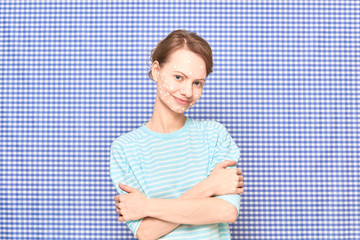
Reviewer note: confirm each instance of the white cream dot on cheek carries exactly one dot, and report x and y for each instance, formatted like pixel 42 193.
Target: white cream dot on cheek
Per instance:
pixel 201 66
pixel 190 73
pixel 174 66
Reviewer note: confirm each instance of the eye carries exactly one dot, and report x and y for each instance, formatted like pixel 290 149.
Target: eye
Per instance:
pixel 178 77
pixel 199 84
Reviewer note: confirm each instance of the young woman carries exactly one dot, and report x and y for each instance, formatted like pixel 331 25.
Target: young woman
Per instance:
pixel 172 173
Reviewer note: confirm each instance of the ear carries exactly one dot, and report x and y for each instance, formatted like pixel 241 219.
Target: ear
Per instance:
pixel 155 71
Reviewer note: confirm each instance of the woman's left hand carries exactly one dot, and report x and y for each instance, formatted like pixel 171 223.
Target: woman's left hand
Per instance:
pixel 130 206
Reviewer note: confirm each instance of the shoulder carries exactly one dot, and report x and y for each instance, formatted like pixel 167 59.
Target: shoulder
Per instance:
pixel 209 126
pixel 129 138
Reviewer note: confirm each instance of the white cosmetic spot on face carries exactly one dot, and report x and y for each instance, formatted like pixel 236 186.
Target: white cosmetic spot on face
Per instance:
pixel 189 61
pixel 190 73
pixel 201 66
pixel 174 66
pixel 171 87
pixel 183 108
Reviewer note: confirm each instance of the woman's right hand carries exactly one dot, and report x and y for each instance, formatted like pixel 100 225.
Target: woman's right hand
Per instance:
pixel 225 180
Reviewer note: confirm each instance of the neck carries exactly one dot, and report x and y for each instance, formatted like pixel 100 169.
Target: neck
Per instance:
pixel 165 120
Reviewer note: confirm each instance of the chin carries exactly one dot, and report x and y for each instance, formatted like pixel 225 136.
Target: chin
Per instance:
pixel 178 110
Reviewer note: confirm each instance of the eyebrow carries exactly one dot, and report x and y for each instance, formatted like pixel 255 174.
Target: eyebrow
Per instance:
pixel 187 76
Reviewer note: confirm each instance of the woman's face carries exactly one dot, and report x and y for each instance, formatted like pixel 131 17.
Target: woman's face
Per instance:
pixel 180 80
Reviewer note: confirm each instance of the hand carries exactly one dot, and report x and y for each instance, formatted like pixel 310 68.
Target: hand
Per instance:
pixel 130 206
pixel 225 180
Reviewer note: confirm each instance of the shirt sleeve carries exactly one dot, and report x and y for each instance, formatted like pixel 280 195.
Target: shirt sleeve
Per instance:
pixel 120 172
pixel 225 149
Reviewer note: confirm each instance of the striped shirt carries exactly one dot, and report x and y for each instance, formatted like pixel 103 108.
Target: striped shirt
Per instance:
pixel 166 165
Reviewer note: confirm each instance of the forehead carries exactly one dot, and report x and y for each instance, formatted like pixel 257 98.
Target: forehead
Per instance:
pixel 186 60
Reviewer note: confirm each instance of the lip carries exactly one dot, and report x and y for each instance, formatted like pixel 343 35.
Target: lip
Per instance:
pixel 182 102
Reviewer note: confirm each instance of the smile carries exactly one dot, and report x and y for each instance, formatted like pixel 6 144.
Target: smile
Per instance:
pixel 182 102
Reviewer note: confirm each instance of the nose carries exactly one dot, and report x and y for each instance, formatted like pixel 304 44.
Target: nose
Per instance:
pixel 187 90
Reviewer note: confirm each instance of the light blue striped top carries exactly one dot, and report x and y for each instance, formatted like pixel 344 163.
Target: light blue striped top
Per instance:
pixel 165 165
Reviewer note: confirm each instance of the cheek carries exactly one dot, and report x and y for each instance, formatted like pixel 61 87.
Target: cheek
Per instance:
pixel 163 93
pixel 197 95
pixel 168 85
pixel 164 88
pixel 171 87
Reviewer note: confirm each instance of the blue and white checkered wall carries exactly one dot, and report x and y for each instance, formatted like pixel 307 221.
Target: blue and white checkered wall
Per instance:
pixel 285 84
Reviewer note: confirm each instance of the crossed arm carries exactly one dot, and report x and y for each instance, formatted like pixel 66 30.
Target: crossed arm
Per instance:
pixel 196 206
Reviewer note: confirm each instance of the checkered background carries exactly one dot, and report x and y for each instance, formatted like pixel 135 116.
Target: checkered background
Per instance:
pixel 285 84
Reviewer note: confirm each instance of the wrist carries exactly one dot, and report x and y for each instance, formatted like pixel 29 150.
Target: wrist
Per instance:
pixel 201 190
pixel 147 206
pixel 208 187
pixel 205 189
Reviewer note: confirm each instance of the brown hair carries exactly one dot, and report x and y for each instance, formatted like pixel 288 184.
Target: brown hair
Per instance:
pixel 182 39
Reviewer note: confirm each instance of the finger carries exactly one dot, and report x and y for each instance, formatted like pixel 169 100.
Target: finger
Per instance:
pixel 117 198
pixel 240 184
pixel 126 188
pixel 240 191
pixel 118 211
pixel 239 171
pixel 120 205
pixel 226 163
